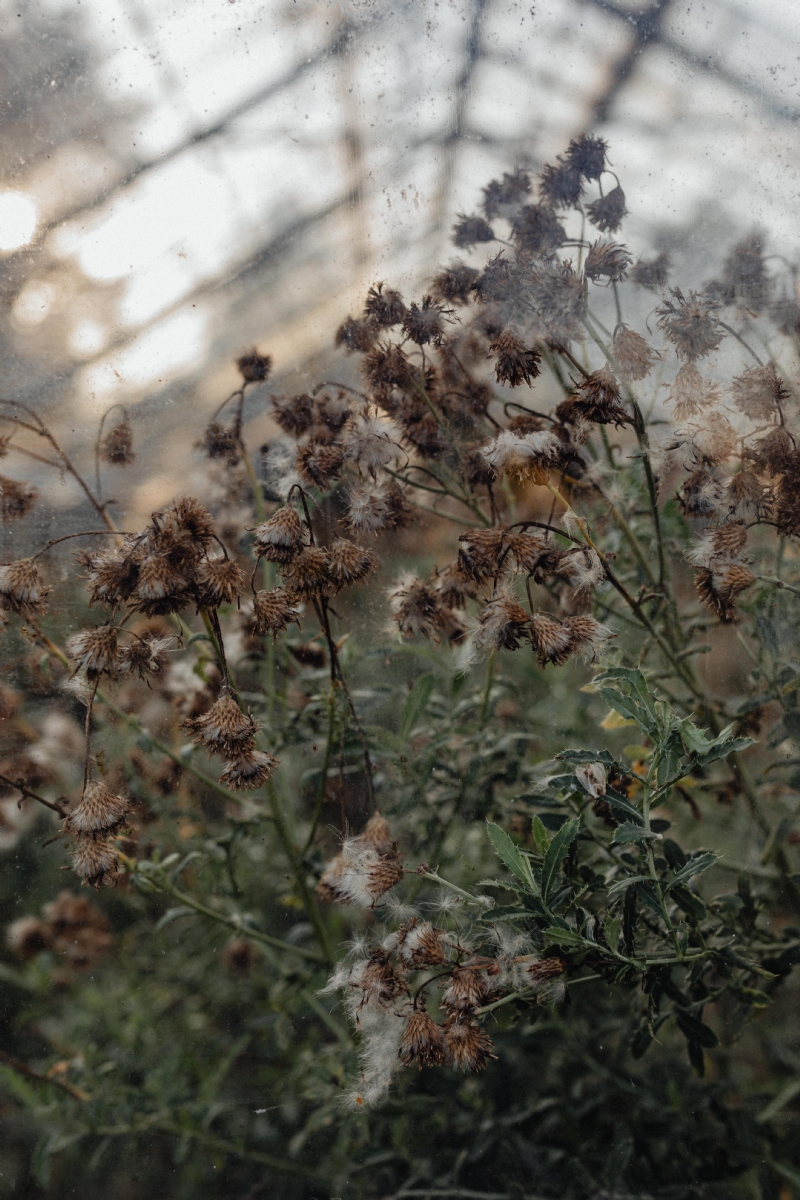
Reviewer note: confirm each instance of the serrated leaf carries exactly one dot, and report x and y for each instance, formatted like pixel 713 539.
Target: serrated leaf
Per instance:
pixel 624 706
pixel 629 832
pixel 556 853
pixel 566 938
pixel 416 704
pixel 622 884
pixel 623 806
pixel 612 931
pixel 692 905
pixel 540 835
pixel 508 852
pixel 587 756
pixel 694 866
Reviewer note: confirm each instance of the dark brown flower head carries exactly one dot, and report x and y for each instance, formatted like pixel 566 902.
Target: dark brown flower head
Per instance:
pixel 221 442
pixel 701 494
pixel 219 581
pixel 188 522
pixel 503 622
pixel 471 231
pixel 607 213
pixel 377 980
pixel 309 574
pixel 367 868
pixel 551 639
pixel 356 334
pixel 476 469
pixel 331 413
pixel 537 230
pixel 248 770
pixel 556 291
pixel 514 363
pixel 420 944
pixel 691 394
pixel 774 453
pixel 745 493
pixel 94 651
pixel 417 608
pixel 691 324
pixel 117 445
pixel 254 367
pixel 587 636
pixel 718 588
pixel 632 354
pixel 282 537
pixel 455 283
pixel 597 399
pixel 111 574
pixel 422 1042
pixel 759 392
pixel 535 554
pixel 27 936
pixel 468 989
pixel 319 462
pixel 745 272
pixel 95 860
pixel 561 185
pixel 385 367
pixel 377 833
pixel 455 588
pixel 479 553
pixel 160 587
pixel 499 280
pixel 22 589
pixel 587 154
pixel 467 1047
pixel 99 811
pixel 348 563
pixel 16 498
pixel 652 275
pixel 224 729
pixel 502 197
pixel 143 656
pixel 273 612
pixel 607 260
pixel 545 969
pixel 384 308
pixel 425 323
pixel 294 414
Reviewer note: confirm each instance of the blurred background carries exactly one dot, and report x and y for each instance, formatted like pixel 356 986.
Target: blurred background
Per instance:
pixel 180 182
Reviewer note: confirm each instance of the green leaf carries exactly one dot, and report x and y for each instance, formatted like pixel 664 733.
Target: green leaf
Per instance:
pixel 753 997
pixel 415 705
pixel 540 836
pixel 587 756
pixel 628 832
pixel 174 914
pixel 566 938
pixel 620 804
pixel 612 931
pixel 622 884
pixel 695 1031
pixel 693 867
pixel 516 863
pixel 692 905
pixel 625 707
pixel 556 853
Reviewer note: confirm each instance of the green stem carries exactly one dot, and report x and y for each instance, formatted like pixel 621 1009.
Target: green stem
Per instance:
pixel 296 863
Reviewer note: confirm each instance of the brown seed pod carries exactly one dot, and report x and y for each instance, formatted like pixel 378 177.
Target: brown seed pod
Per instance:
pixel 94 651
pixel 219 581
pixel 422 1042
pixel 551 639
pixel 308 575
pixel 607 213
pixel 117 445
pixel 514 363
pixel 468 989
pixel 254 367
pixel 273 612
pixel 632 354
pixel 348 563
pixel 22 588
pixel 248 770
pixel 224 729
pixel 282 537
pixel 98 811
pixel 691 323
pixel 95 860
pixel 467 1047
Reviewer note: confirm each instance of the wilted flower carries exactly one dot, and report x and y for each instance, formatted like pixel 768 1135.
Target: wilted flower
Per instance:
pixel 356 334
pixel 348 563
pixel 606 214
pixel 423 1042
pixel 551 639
pixel 417 608
pixel 467 1047
pixel 525 456
pixel 371 442
pixel 308 575
pixel 254 367
pixel 596 399
pixel 117 445
pixel 471 230
pixel 362 872
pixel 294 414
pixel 98 811
pixel 587 636
pixel 718 588
pixel 94 651
pixel 383 506
pixel 22 589
pixel 143 656
pixel 455 283
pixel 219 581
pixel 319 463
pixel 224 729
pixel 691 323
pixel 16 498
pixel 561 185
pixel 690 393
pixel 502 197
pixel 247 769
pixel 537 230
pixel 587 154
pixel 759 392
pixel 502 623
pixel 467 989
pixel 606 260
pixel 282 537
pixel 384 308
pixel 479 553
pixel 273 612
pixel 425 323
pixel 514 363
pixel 420 944
pixel 632 354
pixel 95 859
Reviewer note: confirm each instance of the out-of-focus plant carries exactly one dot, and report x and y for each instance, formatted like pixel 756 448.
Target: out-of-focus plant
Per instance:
pixel 559 527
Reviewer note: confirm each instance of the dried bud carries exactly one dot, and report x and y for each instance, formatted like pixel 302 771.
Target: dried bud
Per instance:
pixel 98 811
pixel 94 651
pixel 254 367
pixel 468 989
pixel 309 574
pixel 319 463
pixel 425 323
pixel 759 392
pixel 417 608
pixel 221 441
pixel 632 354
pixel 502 623
pixel 95 860
pixel 561 186
pixel 384 308
pixel 514 363
pixel 691 324
pixel 248 770
pixel 718 588
pixel 690 393
pixel 606 214
pixel 282 537
pixel 596 400
pixel 294 414
pixel 354 334
pixel 16 498
pixel 273 612
pixel 219 581
pixel 143 656
pixel 348 563
pixel 117 445
pixel 422 1042
pixel 607 260
pixel 587 154
pixel 502 197
pixel 467 1047
pixel 455 283
pixel 551 639
pixel 479 553
pixel 470 231
pixel 22 589
pixel 224 729
pixel 419 944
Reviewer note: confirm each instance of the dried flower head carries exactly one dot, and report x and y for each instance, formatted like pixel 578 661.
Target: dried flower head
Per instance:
pixel 556 292
pixel 420 944
pixel 468 989
pixel 471 231
pixel 416 608
pixel 423 1042
pixel 348 563
pixel 273 612
pixel 22 589
pixel 294 414
pixel 319 463
pixel 691 323
pixel 551 639
pixel 587 636
pixel 308 575
pixel 117 445
pixel 371 442
pixel 479 553
pixel 455 283
pixel 361 874
pixel 537 230
pixel 426 323
pixel 282 537
pixel 607 213
pixel 248 769
pixel 690 393
pixel 94 651
pixel 652 275
pixel 502 197
pixel 759 392
pixel 112 574
pixel 607 260
pixel 254 367
pixel 95 859
pixel 713 437
pixel 356 334
pixel 587 154
pixel 544 970
pixel 596 399
pixel 143 656
pixel 98 811
pixel 514 363
pixel 28 936
pixel 534 554
pixel 523 456
pixel 16 498
pixel 718 588
pixel 632 354
pixel 561 185
pixel 219 581
pixel 382 506
pixel 502 623
pixel 467 1047
pixel 224 729
pixel 221 442
pixel 384 308
pixel 455 587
